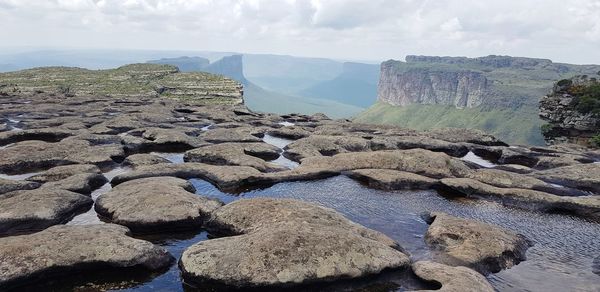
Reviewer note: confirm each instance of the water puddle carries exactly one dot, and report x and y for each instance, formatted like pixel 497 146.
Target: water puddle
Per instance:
pixel 560 260
pixel 206 128
pixel 280 143
pixel 472 157
pixel 286 124
pixel 91 217
pixel 173 157
pixel 18 176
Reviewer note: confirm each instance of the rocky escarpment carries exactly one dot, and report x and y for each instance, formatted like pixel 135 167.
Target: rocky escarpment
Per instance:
pixel 136 80
pixel 494 81
pixel 431 86
pixel 229 66
pixel 572 111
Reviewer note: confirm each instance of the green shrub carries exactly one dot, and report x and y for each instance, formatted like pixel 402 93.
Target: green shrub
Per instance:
pixel 546 128
pixel 565 82
pixel 595 141
pixel 588 100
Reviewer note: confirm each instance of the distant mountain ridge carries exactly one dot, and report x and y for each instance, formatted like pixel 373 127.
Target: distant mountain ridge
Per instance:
pixel 356 85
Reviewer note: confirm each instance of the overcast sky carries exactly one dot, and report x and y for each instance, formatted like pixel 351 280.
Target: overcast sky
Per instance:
pixel 561 30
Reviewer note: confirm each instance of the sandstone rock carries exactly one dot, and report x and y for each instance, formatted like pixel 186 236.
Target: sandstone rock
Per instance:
pixel 389 179
pixel 158 139
pixel 83 183
pixel 580 176
pixel 47 134
pixel 224 177
pixel 521 156
pixel 64 171
pixel 284 242
pixel 242 154
pixel 292 133
pixel 505 179
pixel 418 161
pixel 8 185
pixel 586 206
pixel 137 160
pixel 452 279
pixel 458 135
pixel 317 145
pixel 220 135
pixel 27 156
pixel 596 266
pixel 32 210
pixel 67 251
pixel 514 168
pixel 155 204
pixel 483 247
pixel 423 142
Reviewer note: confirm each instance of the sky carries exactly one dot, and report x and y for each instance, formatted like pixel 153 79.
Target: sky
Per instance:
pixel 561 30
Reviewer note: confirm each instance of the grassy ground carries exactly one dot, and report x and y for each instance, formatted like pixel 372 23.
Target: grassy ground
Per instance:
pixel 521 126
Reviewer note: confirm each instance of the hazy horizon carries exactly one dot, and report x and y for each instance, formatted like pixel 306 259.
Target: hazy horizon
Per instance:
pixel 355 30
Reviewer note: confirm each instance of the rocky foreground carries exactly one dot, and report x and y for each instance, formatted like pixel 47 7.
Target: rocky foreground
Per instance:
pixel 57 152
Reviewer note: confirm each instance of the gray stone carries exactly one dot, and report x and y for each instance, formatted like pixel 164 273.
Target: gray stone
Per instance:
pixel 67 251
pixel 155 204
pixel 137 160
pixel 284 242
pixel 32 210
pixel 451 279
pixel 8 185
pixel 389 179
pixel 483 247
pixel 241 154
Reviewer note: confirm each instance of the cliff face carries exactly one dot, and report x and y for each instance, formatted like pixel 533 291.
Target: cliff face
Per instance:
pixel 569 119
pixel 462 89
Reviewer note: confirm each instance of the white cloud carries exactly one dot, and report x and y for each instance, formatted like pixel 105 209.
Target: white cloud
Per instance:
pixel 357 29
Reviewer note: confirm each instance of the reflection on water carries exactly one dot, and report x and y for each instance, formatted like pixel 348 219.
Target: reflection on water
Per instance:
pixel 276 141
pixel 560 260
pixel 91 217
pixel 472 157
pixel 283 161
pixel 173 157
pixel 280 143
pixel 286 124
pixel 23 176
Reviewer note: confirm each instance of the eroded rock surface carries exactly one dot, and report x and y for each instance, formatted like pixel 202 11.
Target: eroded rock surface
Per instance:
pixel 282 242
pixel 241 154
pixel 451 279
pixel 32 210
pixel 480 246
pixel 155 204
pixel 66 251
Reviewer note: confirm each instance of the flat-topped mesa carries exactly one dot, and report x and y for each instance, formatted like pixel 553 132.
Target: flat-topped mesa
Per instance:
pixel 405 86
pixel 492 81
pixel 572 111
pixel 135 80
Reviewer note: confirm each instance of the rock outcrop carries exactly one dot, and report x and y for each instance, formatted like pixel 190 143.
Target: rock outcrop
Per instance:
pixel 58 252
pixel 451 279
pixel 570 119
pixel 126 81
pixel 282 243
pixel 155 204
pixel 430 86
pixel 480 246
